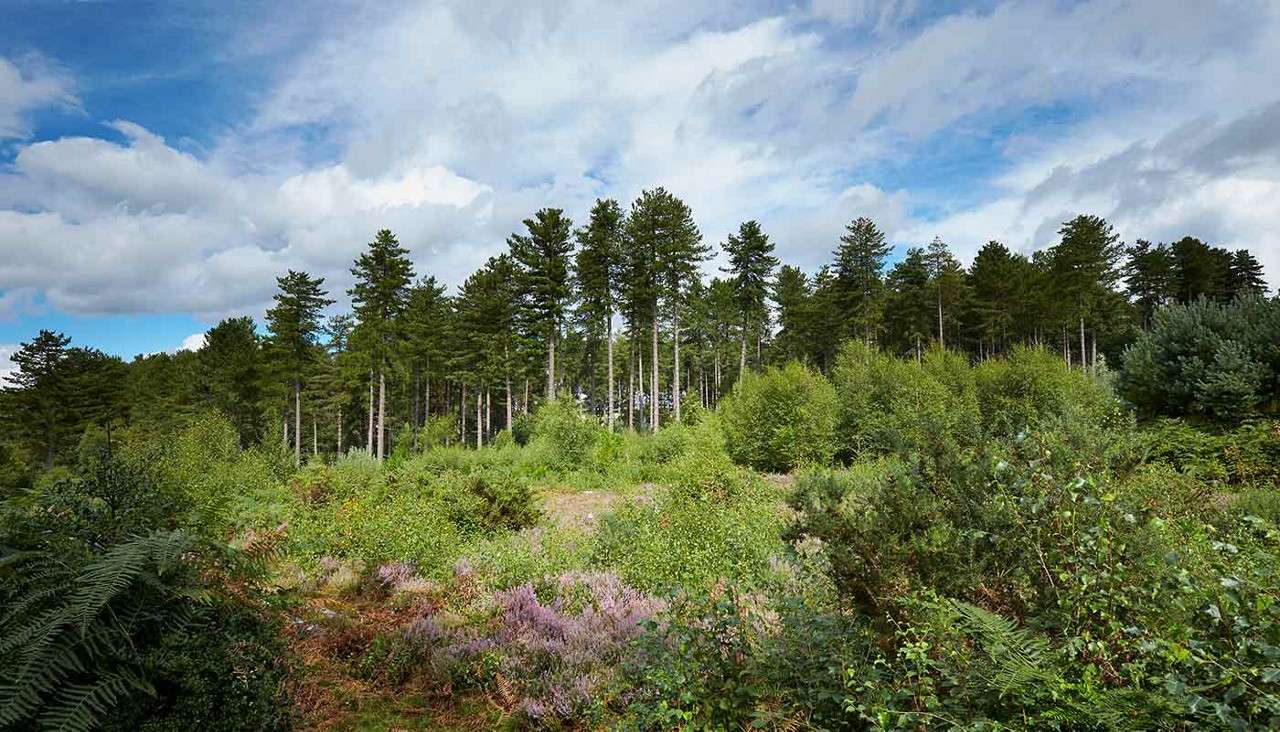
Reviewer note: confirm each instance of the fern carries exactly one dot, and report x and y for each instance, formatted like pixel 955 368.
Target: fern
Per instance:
pixel 67 656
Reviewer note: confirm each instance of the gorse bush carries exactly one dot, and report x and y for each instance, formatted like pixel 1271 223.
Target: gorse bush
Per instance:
pixel 563 436
pixel 780 419
pixel 1207 359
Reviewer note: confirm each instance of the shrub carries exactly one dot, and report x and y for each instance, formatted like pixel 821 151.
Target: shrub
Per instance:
pixel 894 406
pixel 780 419
pixel 563 435
pixel 1032 387
pixel 1206 358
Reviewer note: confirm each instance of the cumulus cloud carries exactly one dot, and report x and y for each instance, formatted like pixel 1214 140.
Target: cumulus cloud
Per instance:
pixel 193 342
pixel 449 123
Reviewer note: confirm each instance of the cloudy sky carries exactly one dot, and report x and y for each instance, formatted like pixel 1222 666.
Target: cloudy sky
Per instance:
pixel 161 162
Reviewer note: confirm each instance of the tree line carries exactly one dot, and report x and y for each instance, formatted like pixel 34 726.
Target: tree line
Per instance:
pixel 615 312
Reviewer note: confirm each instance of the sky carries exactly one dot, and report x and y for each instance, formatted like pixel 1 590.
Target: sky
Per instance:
pixel 161 163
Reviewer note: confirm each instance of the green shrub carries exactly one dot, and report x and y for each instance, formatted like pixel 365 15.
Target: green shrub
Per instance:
pixel 564 436
pixel 780 419
pixel 1032 386
pixel 900 407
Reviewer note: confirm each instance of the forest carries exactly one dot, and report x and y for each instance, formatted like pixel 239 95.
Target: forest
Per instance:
pixel 593 488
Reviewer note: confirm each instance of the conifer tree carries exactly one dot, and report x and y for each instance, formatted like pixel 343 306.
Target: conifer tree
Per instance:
pixel 542 257
pixel 751 265
pixel 380 295
pixel 1149 277
pixel 232 374
pixel 857 285
pixel 792 296
pixel 1084 272
pixel 37 390
pixel 909 315
pixel 1244 275
pixel 294 327
pixel 598 267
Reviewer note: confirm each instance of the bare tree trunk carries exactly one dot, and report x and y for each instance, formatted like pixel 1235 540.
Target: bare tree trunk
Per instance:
pixel 479 420
pixel 426 398
pixel 653 374
pixel 488 411
pixel 508 378
pixel 369 447
pixel 315 437
pixel 524 406
pixel 382 413
pixel 462 409
pixel 1084 366
pixel 631 383
pixel 675 370
pixel 941 341
pixel 742 356
pixel 1093 345
pixel 609 348
pixel 297 422
pixel 339 431
pixel 551 365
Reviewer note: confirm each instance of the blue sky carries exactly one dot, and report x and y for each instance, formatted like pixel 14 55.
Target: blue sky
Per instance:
pixel 161 162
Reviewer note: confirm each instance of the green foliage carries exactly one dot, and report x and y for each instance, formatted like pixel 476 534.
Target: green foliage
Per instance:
pixel 114 619
pixel 895 406
pixel 781 419
pixel 1207 359
pixel 1031 387
pixel 1246 455
pixel 563 435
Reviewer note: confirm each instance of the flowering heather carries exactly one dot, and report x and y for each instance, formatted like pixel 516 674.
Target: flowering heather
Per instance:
pixel 393 574
pixel 561 655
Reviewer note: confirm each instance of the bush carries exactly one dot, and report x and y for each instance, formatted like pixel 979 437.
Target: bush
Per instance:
pixel 894 406
pixel 1208 359
pixel 1032 387
pixel 780 419
pixel 563 435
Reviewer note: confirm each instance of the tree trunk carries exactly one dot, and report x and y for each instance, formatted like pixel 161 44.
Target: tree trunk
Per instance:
pixel 297 422
pixel 479 419
pixel 1093 346
pixel 1084 366
pixel 941 341
pixel 631 383
pixel 382 413
pixel 462 409
pixel 524 406
pixel 315 437
pixel 369 446
pixel 653 375
pixel 675 371
pixel 609 348
pixel 742 355
pixel 339 431
pixel 551 365
pixel 508 380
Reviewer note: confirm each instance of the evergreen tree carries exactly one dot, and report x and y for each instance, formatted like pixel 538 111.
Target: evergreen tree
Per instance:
pixel 1084 272
pixel 542 257
pixel 909 316
pixel 1149 278
pixel 37 391
pixel 598 267
pixel 751 265
pixel 294 328
pixel 999 282
pixel 1200 270
pixel 232 374
pixel 426 336
pixel 1244 275
pixel 858 287
pixel 380 295
pixel 949 288
pixel 792 297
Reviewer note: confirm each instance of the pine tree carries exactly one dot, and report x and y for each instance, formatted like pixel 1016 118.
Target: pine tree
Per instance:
pixel 910 316
pixel 1149 278
pixel 37 390
pixel 380 295
pixel 792 297
pixel 232 374
pixel 294 327
pixel 598 268
pixel 998 280
pixel 1244 275
pixel 857 286
pixel 426 335
pixel 542 258
pixel 947 285
pixel 751 265
pixel 1200 271
pixel 1084 272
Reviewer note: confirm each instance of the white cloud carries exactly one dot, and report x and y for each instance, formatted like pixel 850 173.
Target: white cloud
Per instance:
pixel 25 87
pixel 449 123
pixel 193 342
pixel 7 366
